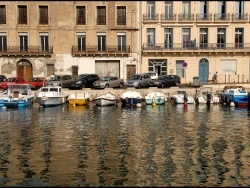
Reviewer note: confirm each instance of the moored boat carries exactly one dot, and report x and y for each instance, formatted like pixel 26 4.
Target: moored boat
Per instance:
pixel 155 97
pixel 205 95
pixel 79 98
pixel 107 99
pixel 181 97
pixel 17 95
pixel 131 98
pixel 50 96
pixel 234 96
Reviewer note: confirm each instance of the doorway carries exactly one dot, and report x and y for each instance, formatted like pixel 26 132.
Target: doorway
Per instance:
pixel 203 70
pixel 24 69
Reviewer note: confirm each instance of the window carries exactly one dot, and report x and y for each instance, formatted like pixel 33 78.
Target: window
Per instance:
pixel 168 38
pixel 43 15
pixel 3 42
pixel 101 15
pixel 23 41
pixel 2 14
pixel 168 10
pixel 80 15
pixel 221 9
pixel 239 37
pixel 22 14
pixel 203 37
pixel 185 37
pixel 81 41
pixel 186 9
pixel 221 38
pixel 75 70
pixel 179 68
pixel 239 9
pixel 101 37
pixel 150 10
pixel 121 38
pixel 44 42
pixel 203 10
pixel 151 37
pixel 121 15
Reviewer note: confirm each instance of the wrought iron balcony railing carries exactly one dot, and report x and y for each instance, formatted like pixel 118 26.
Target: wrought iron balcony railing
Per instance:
pixel 150 17
pixel 239 47
pixel 95 49
pixel 30 51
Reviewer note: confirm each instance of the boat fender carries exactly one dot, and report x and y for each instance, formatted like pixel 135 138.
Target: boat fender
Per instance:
pixel 232 104
pixel 153 104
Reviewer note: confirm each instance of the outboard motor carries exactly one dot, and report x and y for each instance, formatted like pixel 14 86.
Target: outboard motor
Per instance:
pixel 209 97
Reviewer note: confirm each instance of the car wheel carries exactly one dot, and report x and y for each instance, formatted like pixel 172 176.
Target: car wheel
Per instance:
pixel 176 83
pixel 162 85
pixel 106 86
pixel 120 85
pixel 139 86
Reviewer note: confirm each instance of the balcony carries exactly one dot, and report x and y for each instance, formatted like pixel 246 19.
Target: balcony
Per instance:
pixel 204 17
pixel 221 17
pixel 31 51
pixel 186 17
pixel 197 48
pixel 239 18
pixel 150 18
pixel 168 18
pixel 93 50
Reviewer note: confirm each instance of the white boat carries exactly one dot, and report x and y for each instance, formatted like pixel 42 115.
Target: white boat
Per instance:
pixel 107 99
pixel 17 95
pixel 179 97
pixel 155 97
pixel 205 95
pixel 81 98
pixel 131 98
pixel 49 96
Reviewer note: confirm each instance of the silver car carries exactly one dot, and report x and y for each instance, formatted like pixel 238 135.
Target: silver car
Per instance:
pixel 139 80
pixel 60 80
pixel 109 82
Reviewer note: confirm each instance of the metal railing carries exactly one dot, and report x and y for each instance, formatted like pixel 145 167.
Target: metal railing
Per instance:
pixel 32 50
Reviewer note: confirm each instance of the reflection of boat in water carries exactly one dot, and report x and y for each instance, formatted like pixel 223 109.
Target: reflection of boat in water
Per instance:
pixel 155 97
pixel 234 96
pixel 17 95
pixel 131 98
pixel 78 108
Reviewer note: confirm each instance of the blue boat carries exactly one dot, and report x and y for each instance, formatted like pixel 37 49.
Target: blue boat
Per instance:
pixel 17 95
pixel 131 98
pixel 234 96
pixel 155 97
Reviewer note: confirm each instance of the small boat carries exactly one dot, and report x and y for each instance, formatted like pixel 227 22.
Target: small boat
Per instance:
pixel 234 96
pixel 17 95
pixel 107 99
pixel 181 97
pixel 205 95
pixel 155 97
pixel 79 98
pixel 50 96
pixel 131 98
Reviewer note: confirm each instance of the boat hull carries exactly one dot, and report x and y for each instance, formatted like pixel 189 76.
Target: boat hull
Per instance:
pixel 16 102
pixel 51 101
pixel 240 100
pixel 105 102
pixel 131 101
pixel 78 102
pixel 157 101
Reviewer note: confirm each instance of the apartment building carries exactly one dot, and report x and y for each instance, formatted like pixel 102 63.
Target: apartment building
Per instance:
pixel 196 38
pixel 44 38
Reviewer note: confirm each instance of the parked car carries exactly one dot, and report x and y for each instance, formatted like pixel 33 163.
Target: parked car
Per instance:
pixel 12 80
pixel 139 80
pixel 167 81
pixel 2 78
pixel 37 82
pixel 83 81
pixel 108 82
pixel 153 76
pixel 60 80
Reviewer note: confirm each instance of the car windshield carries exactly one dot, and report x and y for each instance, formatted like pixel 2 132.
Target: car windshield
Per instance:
pixel 161 78
pixel 34 79
pixel 55 78
pixel 81 76
pixel 11 79
pixel 151 74
pixel 105 78
pixel 135 77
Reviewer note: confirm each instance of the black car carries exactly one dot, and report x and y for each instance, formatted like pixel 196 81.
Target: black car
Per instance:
pixel 2 78
pixel 83 81
pixel 167 81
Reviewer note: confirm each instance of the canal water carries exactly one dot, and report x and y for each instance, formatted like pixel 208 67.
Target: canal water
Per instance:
pixel 112 146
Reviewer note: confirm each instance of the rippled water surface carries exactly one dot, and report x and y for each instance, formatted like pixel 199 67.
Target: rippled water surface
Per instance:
pixel 113 146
